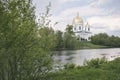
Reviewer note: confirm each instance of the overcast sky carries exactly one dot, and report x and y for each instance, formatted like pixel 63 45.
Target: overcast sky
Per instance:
pixel 102 15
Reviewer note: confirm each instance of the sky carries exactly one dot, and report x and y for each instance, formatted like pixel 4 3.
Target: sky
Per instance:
pixel 102 15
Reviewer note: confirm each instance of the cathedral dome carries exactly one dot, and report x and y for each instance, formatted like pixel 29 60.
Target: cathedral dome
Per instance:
pixel 77 20
pixel 87 25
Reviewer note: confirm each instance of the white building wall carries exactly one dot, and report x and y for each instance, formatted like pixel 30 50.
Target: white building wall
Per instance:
pixel 80 31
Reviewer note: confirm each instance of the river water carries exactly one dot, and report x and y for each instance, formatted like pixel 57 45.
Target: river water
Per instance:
pixel 79 56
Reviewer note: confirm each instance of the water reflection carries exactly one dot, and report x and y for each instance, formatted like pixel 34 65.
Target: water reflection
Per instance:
pixel 70 58
pixel 78 56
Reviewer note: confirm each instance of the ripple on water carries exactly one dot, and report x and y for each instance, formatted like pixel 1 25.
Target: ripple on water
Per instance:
pixel 104 54
pixel 70 58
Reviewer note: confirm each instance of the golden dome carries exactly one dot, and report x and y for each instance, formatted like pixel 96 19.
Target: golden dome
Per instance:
pixel 87 25
pixel 77 20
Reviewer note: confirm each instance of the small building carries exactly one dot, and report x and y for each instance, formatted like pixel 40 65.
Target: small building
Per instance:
pixel 82 31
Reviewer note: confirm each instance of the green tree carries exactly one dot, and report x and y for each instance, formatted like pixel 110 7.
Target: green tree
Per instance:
pixel 22 52
pixel 69 40
pixel 47 38
pixel 45 31
pixel 104 39
pixel 114 41
pixel 100 39
pixel 59 40
pixel 69 29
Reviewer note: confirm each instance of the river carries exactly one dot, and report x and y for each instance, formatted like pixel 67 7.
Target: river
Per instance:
pixel 79 56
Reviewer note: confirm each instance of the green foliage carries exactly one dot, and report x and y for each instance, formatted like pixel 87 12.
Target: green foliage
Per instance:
pixel 69 41
pixel 95 63
pixel 69 29
pixel 69 66
pixel 47 38
pixel 80 74
pixel 66 40
pixel 24 46
pixel 113 65
pixel 105 71
pixel 104 39
pixel 87 45
pixel 59 40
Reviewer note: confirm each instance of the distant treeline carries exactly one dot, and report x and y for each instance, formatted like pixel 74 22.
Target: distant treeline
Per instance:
pixel 104 39
pixel 68 40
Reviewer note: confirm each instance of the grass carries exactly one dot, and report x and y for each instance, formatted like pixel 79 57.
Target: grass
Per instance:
pixel 88 45
pixel 106 71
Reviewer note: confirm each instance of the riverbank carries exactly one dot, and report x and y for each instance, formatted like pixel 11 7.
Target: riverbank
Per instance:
pixel 89 45
pixel 105 71
pixel 84 45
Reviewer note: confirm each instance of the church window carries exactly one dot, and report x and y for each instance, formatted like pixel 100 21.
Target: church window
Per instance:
pixel 79 27
pixel 88 29
pixel 75 28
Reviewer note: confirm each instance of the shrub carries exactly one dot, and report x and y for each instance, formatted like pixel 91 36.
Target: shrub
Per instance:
pixel 69 66
pixel 95 63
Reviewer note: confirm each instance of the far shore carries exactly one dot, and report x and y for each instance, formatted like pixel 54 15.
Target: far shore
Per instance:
pixel 102 47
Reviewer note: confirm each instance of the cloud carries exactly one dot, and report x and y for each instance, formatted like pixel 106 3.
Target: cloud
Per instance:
pixel 99 2
pixel 65 1
pixel 110 22
pixel 84 11
pixel 66 16
pixel 103 1
pixel 103 15
pixel 105 23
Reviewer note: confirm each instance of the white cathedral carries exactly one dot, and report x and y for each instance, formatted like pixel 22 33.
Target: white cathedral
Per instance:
pixel 81 31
